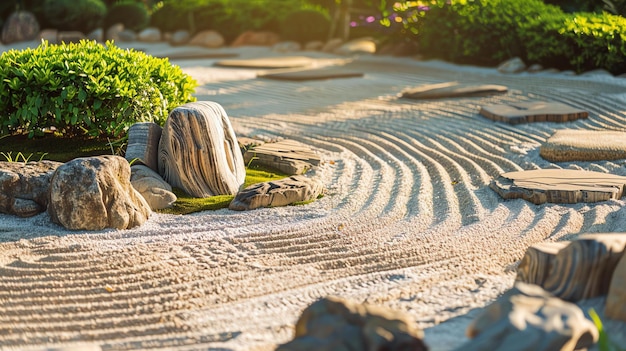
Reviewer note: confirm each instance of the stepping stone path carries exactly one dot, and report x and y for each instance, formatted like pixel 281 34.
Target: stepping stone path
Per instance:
pixel 559 186
pixel 287 156
pixel 313 74
pixel 268 62
pixel 584 145
pixel 535 111
pixel 276 193
pixel 452 90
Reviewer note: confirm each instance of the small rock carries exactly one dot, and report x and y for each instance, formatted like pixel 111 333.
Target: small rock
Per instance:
pixel 514 65
pixel 20 26
pixel 597 73
pixel 24 187
pixel 179 37
pixel 528 318
pixel 149 35
pixel 315 45
pixel 113 32
pixel 97 35
pixel 50 35
pixel 252 38
pixel 535 68
pixel 156 191
pixel 143 144
pixel 127 35
pixel 332 45
pixel 277 193
pixel 208 39
pixel 357 46
pixel 287 46
pixel 70 37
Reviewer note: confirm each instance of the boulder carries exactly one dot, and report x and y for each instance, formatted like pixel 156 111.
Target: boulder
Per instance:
pixel 207 39
pixel 50 35
pixel 616 298
pixel 94 193
pixel 287 46
pixel 179 37
pixel 149 35
pixel 113 32
pixel 276 193
pixel 198 151
pixel 514 65
pixel 337 324
pixel 20 26
pixel 287 156
pixel 143 144
pixel 252 38
pixel 357 46
pixel 156 191
pixel 535 68
pixel 96 34
pixel 528 318
pixel 24 187
pixel 127 35
pixel 70 37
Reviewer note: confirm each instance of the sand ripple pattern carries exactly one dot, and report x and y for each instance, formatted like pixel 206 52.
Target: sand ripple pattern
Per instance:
pixel 408 220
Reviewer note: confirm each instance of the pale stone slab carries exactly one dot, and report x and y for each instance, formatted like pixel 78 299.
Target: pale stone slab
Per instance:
pixel 559 186
pixel 453 90
pixel 277 193
pixel 314 74
pixel 535 111
pixel 584 145
pixel 287 156
pixel 268 62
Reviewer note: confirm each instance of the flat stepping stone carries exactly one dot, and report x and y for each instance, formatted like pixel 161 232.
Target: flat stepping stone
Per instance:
pixel 534 111
pixel 584 145
pixel 452 90
pixel 559 186
pixel 313 74
pixel 268 62
pixel 287 156
pixel 191 55
pixel 282 192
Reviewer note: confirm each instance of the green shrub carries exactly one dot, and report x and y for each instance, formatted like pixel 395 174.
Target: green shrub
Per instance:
pixel 86 88
pixel 80 15
pixel 305 25
pixel 169 18
pixel 132 15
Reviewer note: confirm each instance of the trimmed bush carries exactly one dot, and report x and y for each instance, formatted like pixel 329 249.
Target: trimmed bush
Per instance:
pixel 305 25
pixel 87 88
pixel 169 18
pixel 132 15
pixel 80 15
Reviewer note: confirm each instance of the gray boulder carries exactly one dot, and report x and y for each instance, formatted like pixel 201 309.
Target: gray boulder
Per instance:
pixel 157 193
pixel 514 65
pixel 180 37
pixel 94 193
pixel 276 193
pixel 20 26
pixel 198 151
pixel 149 35
pixel 24 187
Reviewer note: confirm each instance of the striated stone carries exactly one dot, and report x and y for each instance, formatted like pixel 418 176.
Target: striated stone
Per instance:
pixel 534 268
pixel 583 269
pixel 97 35
pixel 528 318
pixel 70 37
pixel 357 46
pixel 332 44
pixel 198 151
pixel 156 191
pixel 452 90
pixel 336 324
pixel 20 26
pixel 127 35
pixel 314 45
pixel 252 38
pixel 567 186
pixel 180 37
pixel 287 46
pixel 532 111
pixel 24 187
pixel 143 144
pixel 616 297
pixel 287 156
pixel 94 193
pixel 149 35
pixel 514 65
pixel 276 193
pixel 49 35
pixel 584 145
pixel 208 39
pixel 113 32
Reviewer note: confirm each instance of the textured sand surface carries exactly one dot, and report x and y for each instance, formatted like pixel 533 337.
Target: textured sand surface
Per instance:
pixel 408 220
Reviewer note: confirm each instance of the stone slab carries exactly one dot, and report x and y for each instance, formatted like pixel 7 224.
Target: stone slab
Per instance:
pixel 267 62
pixel 314 74
pixel 453 90
pixel 532 111
pixel 192 55
pixel 584 145
pixel 288 156
pixel 559 186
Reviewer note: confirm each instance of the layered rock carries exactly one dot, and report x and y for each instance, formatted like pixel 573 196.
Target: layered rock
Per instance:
pixel 94 193
pixel 336 324
pixel 199 153
pixel 143 144
pixel 616 297
pixel 24 187
pixel 20 26
pixel 535 266
pixel 287 156
pixel 156 191
pixel 529 318
pixel 276 193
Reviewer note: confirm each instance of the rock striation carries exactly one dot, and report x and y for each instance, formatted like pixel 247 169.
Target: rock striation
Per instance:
pixel 94 193
pixel 24 187
pixel 143 144
pixel 198 151
pixel 276 193
pixel 287 156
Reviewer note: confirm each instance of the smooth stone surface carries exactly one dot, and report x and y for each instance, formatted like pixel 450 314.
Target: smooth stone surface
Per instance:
pixel 70 37
pixel 287 156
pixel 357 46
pixel 156 191
pixel 96 34
pixel 113 32
pixel 535 266
pixel 94 193
pixel 198 151
pixel 253 38
pixel 313 74
pixel 127 35
pixel 332 44
pixel 527 318
pixel 268 62
pixel 584 145
pixel 530 112
pixel 452 90
pixel 334 324
pixel 24 187
pixel 514 65
pixel 207 39
pixel 277 193
pixel 314 45
pixel 559 186
pixel 20 26
pixel 616 298
pixel 179 37
pixel 49 35
pixel 143 144
pixel 150 35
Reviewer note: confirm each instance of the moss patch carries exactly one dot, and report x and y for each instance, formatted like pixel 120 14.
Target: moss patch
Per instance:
pixel 53 148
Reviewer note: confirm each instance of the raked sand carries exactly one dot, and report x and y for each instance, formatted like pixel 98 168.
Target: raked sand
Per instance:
pixel 408 220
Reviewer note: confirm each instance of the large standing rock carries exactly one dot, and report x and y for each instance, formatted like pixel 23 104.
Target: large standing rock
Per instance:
pixel 94 193
pixel 198 151
pixel 143 144
pixel 20 26
pixel 276 193
pixel 527 318
pixel 336 324
pixel 157 193
pixel 24 187
pixel 208 39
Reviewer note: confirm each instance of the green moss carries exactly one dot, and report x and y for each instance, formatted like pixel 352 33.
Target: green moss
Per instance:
pixel 56 149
